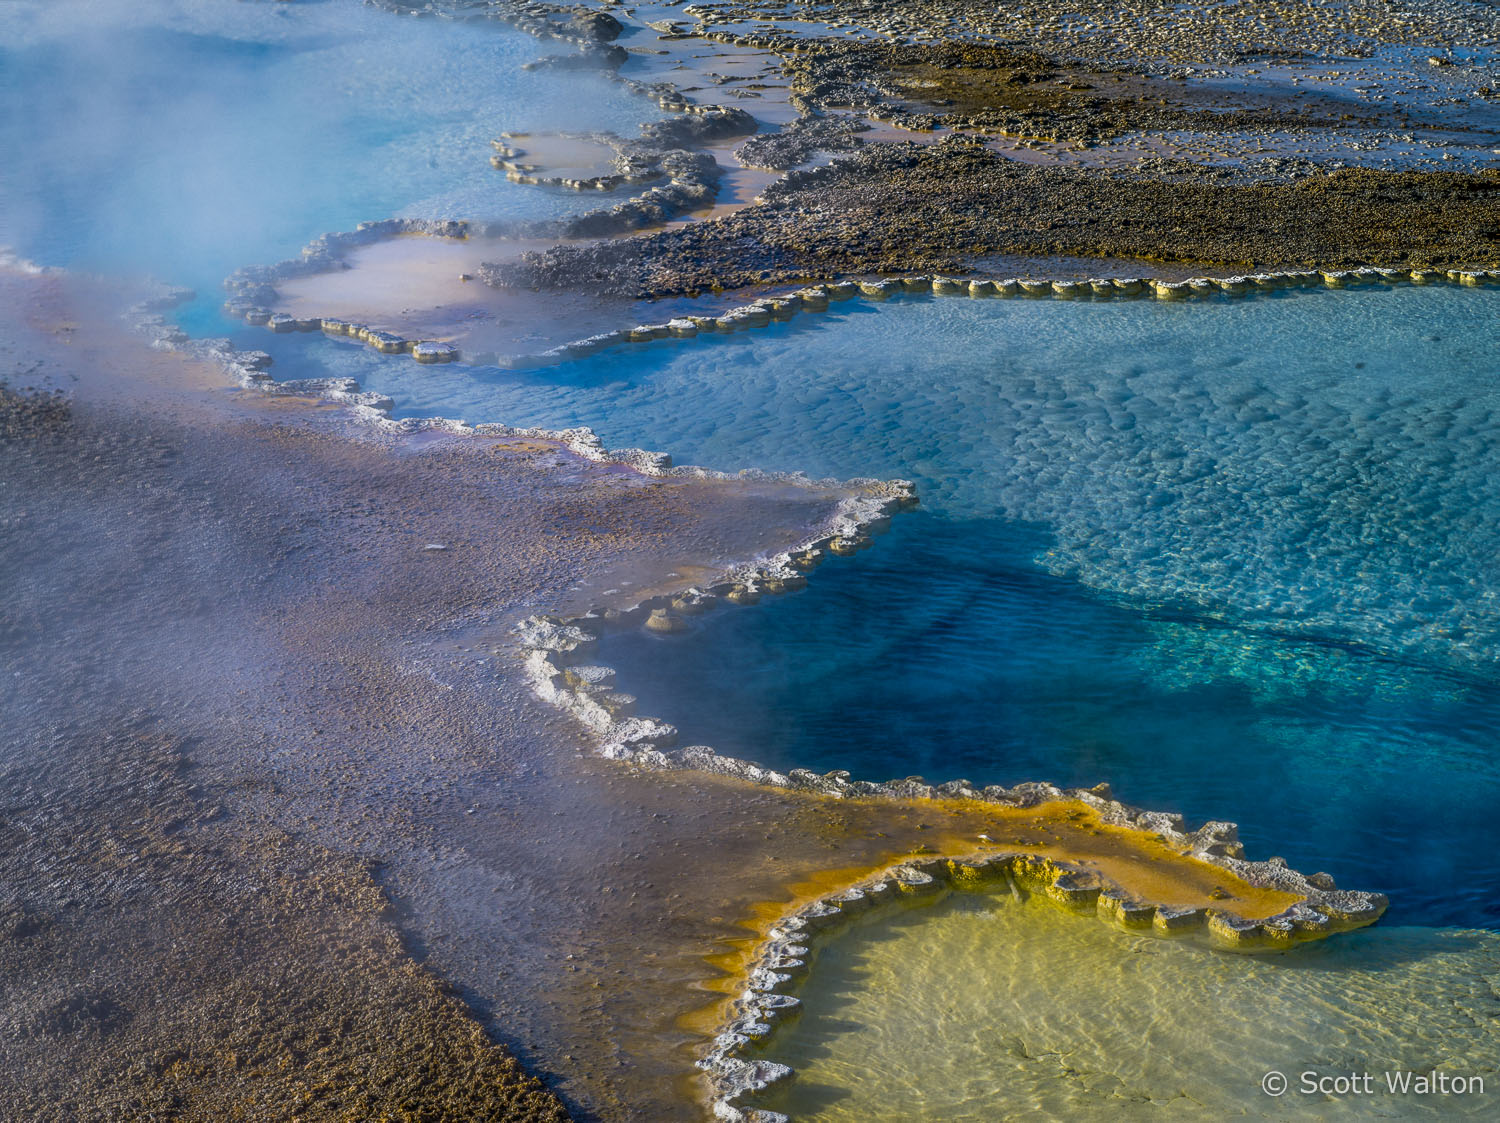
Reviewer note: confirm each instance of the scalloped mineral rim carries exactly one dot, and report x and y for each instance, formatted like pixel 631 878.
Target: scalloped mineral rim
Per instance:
pixel 1312 905
pixel 326 254
pixel 732 1066
pixel 556 653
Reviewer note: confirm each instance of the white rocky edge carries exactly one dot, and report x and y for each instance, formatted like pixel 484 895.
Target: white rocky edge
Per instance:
pixel 557 655
pixel 250 371
pixel 819 297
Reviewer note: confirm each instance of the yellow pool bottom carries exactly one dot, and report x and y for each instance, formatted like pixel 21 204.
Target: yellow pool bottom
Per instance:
pixel 987 1007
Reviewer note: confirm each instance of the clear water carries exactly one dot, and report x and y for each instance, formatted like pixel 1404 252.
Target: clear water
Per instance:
pixel 1240 561
pixel 187 138
pixel 984 1008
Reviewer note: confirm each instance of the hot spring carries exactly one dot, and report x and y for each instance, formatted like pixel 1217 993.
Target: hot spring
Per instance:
pixel 1236 558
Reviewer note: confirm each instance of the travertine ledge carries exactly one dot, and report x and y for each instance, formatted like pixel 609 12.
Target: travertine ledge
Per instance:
pixel 767 310
pixel 735 1065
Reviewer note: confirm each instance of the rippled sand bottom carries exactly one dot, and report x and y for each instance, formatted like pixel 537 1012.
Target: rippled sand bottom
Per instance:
pixel 985 1007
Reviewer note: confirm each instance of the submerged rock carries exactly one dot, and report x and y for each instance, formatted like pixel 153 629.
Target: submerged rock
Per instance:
pixel 662 620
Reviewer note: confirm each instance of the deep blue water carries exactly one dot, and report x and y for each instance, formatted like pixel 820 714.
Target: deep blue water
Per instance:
pixel 930 656
pixel 1238 560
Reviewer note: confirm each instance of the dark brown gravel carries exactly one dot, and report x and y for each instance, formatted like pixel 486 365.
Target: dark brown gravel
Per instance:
pixel 154 964
pixel 1022 93
pixel 159 958
pixel 913 208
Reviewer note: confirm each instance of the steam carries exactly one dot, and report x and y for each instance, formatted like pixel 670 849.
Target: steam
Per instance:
pixel 184 138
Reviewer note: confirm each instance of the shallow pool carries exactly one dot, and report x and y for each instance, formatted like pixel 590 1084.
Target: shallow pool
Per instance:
pixel 983 1008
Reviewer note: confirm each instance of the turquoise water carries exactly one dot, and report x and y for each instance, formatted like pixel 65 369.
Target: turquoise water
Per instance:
pixel 188 138
pixel 1239 560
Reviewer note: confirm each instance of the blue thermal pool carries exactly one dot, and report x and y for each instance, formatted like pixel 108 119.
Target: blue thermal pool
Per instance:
pixel 1238 560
